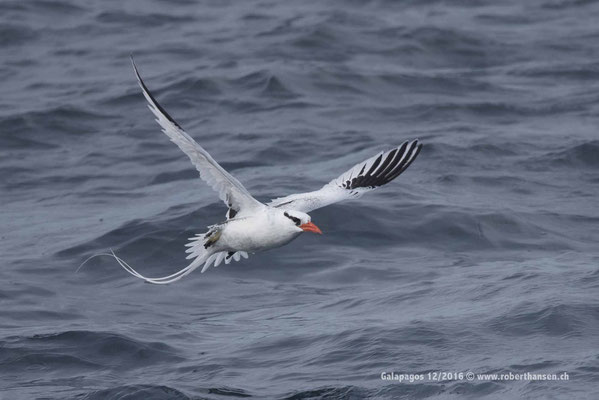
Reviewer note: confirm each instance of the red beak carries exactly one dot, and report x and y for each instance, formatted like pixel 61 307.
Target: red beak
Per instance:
pixel 310 227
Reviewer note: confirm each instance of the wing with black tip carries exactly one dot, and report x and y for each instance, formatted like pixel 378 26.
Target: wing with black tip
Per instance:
pixel 229 189
pixel 363 177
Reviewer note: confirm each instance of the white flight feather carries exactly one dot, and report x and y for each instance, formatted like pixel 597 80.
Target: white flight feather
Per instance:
pixel 229 189
pixel 334 191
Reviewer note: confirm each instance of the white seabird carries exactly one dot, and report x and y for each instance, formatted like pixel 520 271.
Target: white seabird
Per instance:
pixel 252 226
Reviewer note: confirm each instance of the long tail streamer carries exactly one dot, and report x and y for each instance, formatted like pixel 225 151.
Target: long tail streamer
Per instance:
pixel 157 281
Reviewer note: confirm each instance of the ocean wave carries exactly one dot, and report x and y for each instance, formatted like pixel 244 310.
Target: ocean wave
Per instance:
pixel 582 155
pixel 132 392
pixel 43 129
pixel 563 320
pixel 15 35
pixel 87 350
pixel 127 18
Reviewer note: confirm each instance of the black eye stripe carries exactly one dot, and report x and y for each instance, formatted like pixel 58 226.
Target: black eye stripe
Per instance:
pixel 297 221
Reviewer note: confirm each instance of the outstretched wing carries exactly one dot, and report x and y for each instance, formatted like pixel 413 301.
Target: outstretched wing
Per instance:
pixel 229 189
pixel 363 177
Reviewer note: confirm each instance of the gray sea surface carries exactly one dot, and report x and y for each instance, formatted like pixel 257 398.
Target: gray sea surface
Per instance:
pixel 482 257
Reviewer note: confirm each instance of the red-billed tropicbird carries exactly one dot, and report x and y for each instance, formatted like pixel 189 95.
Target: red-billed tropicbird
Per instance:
pixel 252 226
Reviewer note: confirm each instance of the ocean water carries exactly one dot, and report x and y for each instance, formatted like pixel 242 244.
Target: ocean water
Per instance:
pixel 482 257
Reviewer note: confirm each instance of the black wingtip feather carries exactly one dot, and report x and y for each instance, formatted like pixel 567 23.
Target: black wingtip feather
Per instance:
pixel 154 102
pixel 410 160
pixel 396 161
pixel 375 177
pixel 404 159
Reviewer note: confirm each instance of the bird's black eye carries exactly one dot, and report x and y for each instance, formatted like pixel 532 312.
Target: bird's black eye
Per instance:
pixel 295 220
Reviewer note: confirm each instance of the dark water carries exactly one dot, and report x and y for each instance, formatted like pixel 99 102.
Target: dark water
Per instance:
pixel 482 257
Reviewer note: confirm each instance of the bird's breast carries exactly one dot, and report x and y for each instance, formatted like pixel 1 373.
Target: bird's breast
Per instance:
pixel 255 234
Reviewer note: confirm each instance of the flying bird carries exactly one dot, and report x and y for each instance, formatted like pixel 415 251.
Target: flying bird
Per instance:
pixel 252 226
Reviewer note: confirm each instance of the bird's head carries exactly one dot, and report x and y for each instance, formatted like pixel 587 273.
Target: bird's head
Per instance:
pixel 302 221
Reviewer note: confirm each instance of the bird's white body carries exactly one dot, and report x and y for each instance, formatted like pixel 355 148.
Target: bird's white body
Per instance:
pixel 266 229
pixel 252 226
